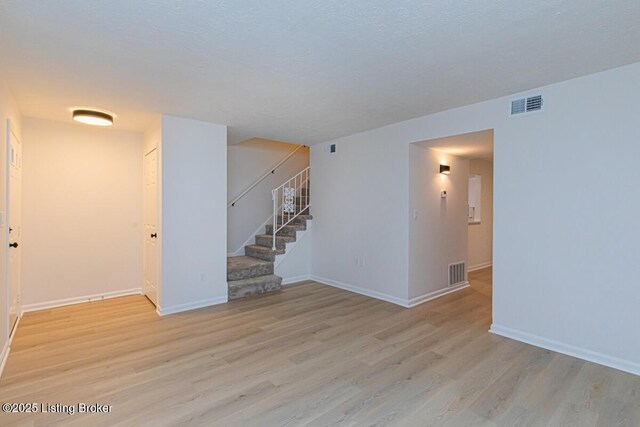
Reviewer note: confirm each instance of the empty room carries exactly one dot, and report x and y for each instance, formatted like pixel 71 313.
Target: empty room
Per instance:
pixel 290 213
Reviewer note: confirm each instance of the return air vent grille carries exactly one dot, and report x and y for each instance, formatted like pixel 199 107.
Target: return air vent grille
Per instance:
pixel 457 273
pixel 526 105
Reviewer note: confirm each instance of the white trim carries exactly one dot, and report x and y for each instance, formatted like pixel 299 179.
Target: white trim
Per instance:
pixel 362 291
pixel 580 353
pixel 436 294
pixel 78 300
pixel 190 306
pixel 288 247
pixel 480 266
pixel 250 240
pixel 4 356
pixel 406 303
pixel 15 328
pixel 295 279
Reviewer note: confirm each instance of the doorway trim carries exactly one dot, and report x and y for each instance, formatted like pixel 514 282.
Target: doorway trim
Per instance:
pixel 11 332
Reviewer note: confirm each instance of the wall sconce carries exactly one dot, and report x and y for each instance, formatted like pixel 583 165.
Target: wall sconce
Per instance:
pixel 445 169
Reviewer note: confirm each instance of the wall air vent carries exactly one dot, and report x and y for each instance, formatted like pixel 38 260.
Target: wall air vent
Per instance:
pixel 457 273
pixel 526 105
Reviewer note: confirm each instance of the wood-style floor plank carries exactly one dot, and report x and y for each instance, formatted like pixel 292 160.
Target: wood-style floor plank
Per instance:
pixel 308 355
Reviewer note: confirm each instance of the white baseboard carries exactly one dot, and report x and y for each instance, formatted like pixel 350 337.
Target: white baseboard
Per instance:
pixel 406 303
pixel 358 290
pixel 435 294
pixel 15 328
pixel 295 279
pixel 480 266
pixel 78 300
pixel 163 311
pixel 4 356
pixel 580 353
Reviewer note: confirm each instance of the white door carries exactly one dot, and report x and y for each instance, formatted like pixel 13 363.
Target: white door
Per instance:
pixel 14 160
pixel 150 225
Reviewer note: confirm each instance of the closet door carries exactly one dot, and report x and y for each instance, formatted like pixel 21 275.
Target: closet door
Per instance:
pixel 150 225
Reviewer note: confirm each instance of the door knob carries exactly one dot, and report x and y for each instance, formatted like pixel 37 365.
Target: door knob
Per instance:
pixel 154 235
pixel 13 245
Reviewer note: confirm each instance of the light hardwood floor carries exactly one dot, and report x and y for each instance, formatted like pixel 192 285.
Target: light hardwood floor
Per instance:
pixel 310 354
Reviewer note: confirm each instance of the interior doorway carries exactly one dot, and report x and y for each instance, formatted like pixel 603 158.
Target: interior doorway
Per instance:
pixel 451 214
pixel 476 151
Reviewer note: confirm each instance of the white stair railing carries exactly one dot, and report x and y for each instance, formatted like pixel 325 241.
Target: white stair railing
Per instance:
pixel 289 201
pixel 270 172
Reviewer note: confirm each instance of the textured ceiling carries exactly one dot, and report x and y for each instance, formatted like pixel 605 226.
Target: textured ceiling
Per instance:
pixel 302 71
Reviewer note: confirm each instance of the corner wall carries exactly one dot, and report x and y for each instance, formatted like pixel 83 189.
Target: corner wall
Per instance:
pixel 360 208
pixel 194 214
pixel 566 279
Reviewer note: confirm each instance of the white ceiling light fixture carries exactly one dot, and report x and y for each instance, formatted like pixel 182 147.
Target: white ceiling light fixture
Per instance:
pixel 92 117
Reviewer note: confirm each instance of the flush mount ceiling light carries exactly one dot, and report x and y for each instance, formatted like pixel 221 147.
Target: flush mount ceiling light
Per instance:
pixel 93 117
pixel 445 169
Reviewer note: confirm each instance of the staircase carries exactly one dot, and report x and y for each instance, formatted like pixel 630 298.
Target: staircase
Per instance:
pixel 253 273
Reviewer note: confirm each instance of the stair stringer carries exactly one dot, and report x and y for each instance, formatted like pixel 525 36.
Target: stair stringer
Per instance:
pixel 251 238
pixel 288 266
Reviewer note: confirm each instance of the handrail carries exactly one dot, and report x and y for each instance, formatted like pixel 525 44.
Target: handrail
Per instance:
pixel 263 177
pixel 293 201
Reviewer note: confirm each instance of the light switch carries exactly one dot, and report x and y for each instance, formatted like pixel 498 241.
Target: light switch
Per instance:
pixel 443 194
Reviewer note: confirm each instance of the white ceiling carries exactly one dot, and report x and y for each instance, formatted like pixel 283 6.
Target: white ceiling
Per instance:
pixel 303 71
pixel 472 145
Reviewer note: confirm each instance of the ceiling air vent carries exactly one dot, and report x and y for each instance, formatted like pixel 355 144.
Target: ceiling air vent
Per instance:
pixel 526 105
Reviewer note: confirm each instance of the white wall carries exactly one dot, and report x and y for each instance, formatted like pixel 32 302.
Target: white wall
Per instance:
pixel 435 219
pixel 359 198
pixel 8 110
pixel 194 214
pixel 481 234
pixel 247 162
pixel 82 211
pixel 565 240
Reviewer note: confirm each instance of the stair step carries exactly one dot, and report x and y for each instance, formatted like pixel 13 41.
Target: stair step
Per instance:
pixel 287 230
pixel 300 219
pixel 244 267
pixel 254 286
pixel 262 252
pixel 267 240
